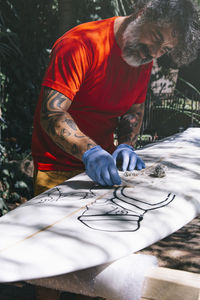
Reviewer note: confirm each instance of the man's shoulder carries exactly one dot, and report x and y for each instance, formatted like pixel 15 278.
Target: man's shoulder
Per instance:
pixel 90 31
pixel 93 25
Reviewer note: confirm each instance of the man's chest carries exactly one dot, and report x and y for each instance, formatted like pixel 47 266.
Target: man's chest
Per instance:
pixel 111 87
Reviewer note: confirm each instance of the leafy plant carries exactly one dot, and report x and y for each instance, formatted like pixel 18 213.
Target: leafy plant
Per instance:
pixel 3 207
pixel 15 184
pixel 23 66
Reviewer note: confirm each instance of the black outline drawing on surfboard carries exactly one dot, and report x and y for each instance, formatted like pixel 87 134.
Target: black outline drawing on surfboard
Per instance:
pixel 55 194
pixel 118 213
pixel 121 213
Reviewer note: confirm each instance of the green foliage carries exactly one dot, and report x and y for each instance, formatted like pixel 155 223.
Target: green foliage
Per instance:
pixel 89 10
pixel 3 207
pixel 28 29
pixel 101 9
pixel 15 185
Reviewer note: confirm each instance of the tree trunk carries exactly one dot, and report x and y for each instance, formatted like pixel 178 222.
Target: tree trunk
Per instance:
pixel 67 15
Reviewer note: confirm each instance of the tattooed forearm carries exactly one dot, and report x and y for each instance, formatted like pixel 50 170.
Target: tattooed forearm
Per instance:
pixel 52 103
pixel 70 123
pixel 74 149
pixel 60 126
pixel 129 125
pixel 64 133
pixel 79 136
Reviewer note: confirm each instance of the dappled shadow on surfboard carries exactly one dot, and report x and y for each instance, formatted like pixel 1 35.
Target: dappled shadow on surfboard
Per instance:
pixel 107 214
pixel 39 253
pixel 190 136
pixel 84 185
pixel 54 230
pixel 116 212
pixel 178 163
pixel 78 184
pixel 79 214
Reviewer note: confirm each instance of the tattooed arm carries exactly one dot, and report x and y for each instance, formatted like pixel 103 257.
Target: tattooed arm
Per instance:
pixel 130 124
pixel 127 133
pixel 60 126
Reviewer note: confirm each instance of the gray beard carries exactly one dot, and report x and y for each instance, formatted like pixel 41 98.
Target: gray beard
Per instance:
pixel 131 55
pixel 131 46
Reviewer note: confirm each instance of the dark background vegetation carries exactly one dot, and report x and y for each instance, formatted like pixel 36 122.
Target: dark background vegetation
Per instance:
pixel 28 29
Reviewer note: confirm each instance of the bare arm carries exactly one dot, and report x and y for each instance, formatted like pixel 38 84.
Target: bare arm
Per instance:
pixel 130 124
pixel 60 126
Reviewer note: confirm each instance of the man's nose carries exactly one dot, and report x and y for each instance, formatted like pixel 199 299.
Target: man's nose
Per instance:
pixel 155 51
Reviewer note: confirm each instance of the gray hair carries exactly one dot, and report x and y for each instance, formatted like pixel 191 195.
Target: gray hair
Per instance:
pixel 184 15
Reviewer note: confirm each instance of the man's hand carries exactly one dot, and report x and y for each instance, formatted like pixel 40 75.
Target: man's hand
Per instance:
pixel 130 160
pixel 100 167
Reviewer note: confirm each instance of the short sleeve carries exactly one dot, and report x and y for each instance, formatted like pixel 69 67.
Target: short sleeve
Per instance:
pixel 69 63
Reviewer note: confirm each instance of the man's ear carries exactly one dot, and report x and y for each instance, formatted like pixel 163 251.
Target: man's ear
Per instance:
pixel 134 16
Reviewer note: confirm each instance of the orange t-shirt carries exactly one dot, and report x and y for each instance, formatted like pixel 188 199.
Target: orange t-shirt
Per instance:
pixel 86 66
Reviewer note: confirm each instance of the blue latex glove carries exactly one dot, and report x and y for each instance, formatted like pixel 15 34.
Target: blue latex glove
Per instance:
pixel 130 160
pixel 100 167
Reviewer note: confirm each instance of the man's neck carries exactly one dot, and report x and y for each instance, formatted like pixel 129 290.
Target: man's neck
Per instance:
pixel 120 26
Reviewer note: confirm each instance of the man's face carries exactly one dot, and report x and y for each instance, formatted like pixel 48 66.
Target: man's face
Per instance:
pixel 142 42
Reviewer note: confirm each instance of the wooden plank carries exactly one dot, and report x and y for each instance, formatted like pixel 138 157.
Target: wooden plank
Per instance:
pixel 168 284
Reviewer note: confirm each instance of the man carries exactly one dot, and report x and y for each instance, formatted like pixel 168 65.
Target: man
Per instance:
pixel 98 73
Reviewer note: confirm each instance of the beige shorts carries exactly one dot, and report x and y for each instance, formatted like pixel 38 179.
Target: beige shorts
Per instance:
pixel 44 180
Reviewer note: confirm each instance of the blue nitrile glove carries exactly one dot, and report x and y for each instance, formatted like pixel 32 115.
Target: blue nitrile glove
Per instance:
pixel 130 160
pixel 100 166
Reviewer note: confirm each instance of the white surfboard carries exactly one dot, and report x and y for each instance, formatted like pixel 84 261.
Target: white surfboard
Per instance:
pixel 78 224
